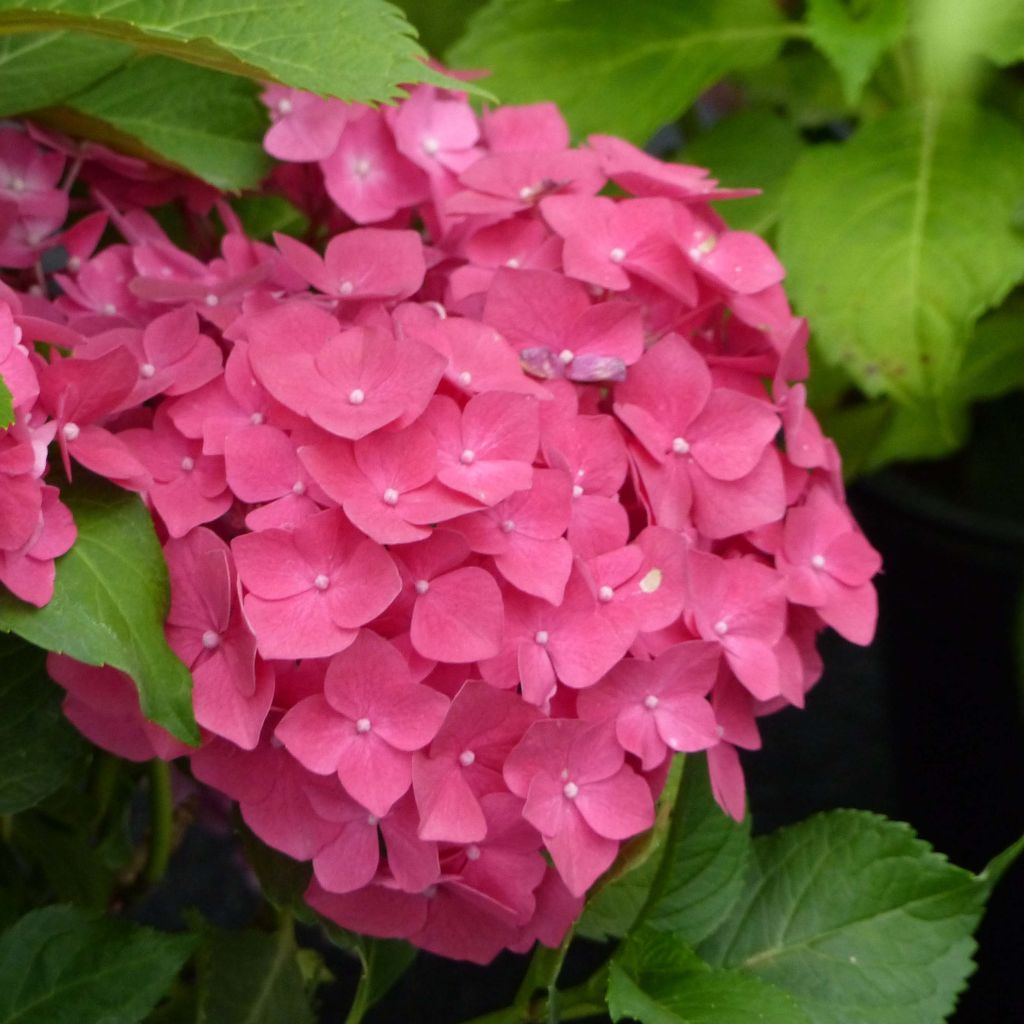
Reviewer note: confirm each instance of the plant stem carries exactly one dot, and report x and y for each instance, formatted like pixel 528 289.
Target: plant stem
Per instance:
pixel 161 809
pixel 103 780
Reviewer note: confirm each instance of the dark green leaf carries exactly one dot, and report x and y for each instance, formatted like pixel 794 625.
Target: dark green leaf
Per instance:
pixel 60 965
pixel 282 880
pixel 384 962
pixel 204 121
pixel 854 35
pixel 857 919
pixel 6 406
pixel 439 22
pixel 73 871
pixel 994 358
pixel 38 70
pixel 705 860
pixel 110 601
pixel 251 977
pixel 898 240
pixel 360 50
pixel 625 69
pixel 752 149
pixel 262 215
pixel 656 979
pixel 39 750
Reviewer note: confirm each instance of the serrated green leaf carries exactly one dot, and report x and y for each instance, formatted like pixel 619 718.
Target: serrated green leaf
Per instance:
pixel 359 50
pixel 854 34
pixel 752 149
pixel 251 977
pixel 38 70
pixel 624 69
pixel 657 979
pixel 6 405
pixel 898 240
pixel 39 750
pixel 705 861
pixel 857 919
pixel 60 965
pixel 109 603
pixel 205 122
pixel 801 84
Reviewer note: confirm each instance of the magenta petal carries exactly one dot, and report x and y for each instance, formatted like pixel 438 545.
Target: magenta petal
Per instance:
pixel 448 808
pixel 755 665
pixel 296 627
pixel 373 772
pixel 312 732
pixel 538 567
pixel 459 618
pixel 221 707
pixel 350 861
pixel 580 854
pixel 374 910
pixel 617 807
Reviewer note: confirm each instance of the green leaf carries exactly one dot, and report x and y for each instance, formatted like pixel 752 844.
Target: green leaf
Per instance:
pixel 994 359
pixel 38 70
pixel 283 881
pixel 898 240
pixel 856 918
pixel 656 979
pixel 262 215
pixel 6 405
pixel 251 977
pixel 624 69
pixel 109 603
pixel 706 857
pixel 384 962
pixel 439 22
pixel 60 965
pixel 202 121
pixel 359 50
pixel 39 750
pixel 752 149
pixel 854 34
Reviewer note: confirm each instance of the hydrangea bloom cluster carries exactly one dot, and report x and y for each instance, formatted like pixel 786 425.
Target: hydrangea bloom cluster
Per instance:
pixel 474 514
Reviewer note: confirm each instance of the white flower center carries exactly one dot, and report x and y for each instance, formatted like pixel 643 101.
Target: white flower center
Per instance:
pixel 147 370
pixel 566 356
pixel 680 446
pixel 356 396
pixel 513 263
pixel 298 487
pixel 466 758
pixel 346 288
pixel 71 431
pixel 472 852
pixel 818 561
pixel 188 464
pixel 605 594
pixel 390 496
pixel 322 582
pixel 256 419
pixel 617 255
pixel 422 586
pixel 541 636
pixel 363 726
pixel 721 627
pixel 361 167
pixel 465 378
pixel 577 491
pixel 210 640
pixel 284 106
pixel 508 526
pixel 430 145
pixel 650 702
pixel 212 300
pixel 108 309
pixel 467 457
pixel 571 790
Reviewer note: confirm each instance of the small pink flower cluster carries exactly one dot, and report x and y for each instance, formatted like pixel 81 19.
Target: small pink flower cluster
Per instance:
pixel 472 520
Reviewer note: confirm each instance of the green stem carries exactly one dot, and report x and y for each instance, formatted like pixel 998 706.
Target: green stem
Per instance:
pixel 586 1000
pixel 6 827
pixel 161 809
pixel 542 975
pixel 361 1000
pixel 102 783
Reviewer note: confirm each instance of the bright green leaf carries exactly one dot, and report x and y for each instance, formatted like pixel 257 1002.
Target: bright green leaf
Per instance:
pixel 854 34
pixel 752 149
pixel 110 601
pixel 40 70
pixel 360 50
pixel 39 750
pixel 898 240
pixel 625 69
pixel 857 919
pixel 251 977
pixel 203 121
pixel 6 405
pixel 656 979
pixel 60 965
pixel 706 857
